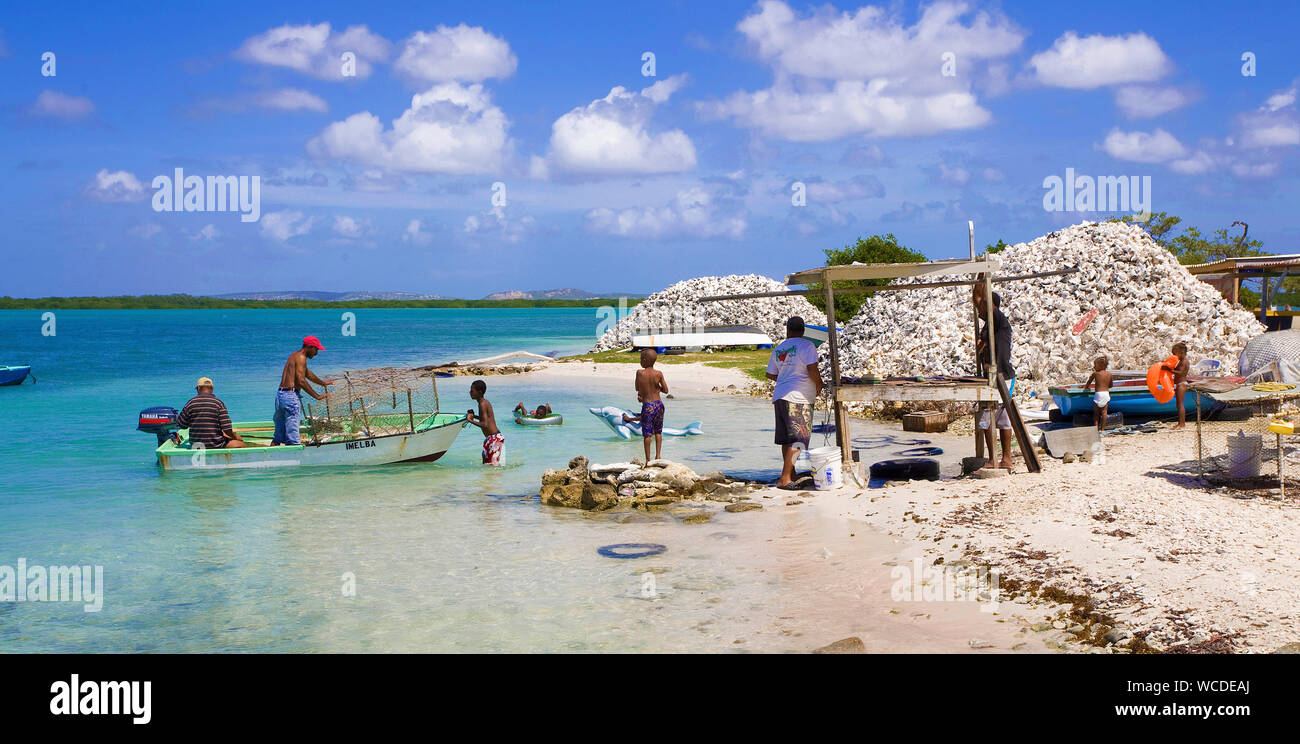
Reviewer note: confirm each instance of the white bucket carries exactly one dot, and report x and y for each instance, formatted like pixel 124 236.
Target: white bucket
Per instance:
pixel 1244 452
pixel 826 467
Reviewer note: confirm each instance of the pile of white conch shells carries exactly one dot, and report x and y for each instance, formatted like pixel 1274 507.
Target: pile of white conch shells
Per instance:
pixel 1145 302
pixel 678 308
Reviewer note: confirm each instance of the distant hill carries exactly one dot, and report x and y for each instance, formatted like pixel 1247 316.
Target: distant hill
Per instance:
pixel 568 293
pixel 329 296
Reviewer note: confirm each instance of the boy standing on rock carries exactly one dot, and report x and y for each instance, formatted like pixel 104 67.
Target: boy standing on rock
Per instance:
pixel 650 384
pixel 494 442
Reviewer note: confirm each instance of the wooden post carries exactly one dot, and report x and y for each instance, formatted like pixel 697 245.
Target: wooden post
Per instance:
pixel 1199 472
pixel 1263 301
pixel 409 410
pixel 993 346
pixel 992 370
pixel 1017 427
pixel 1281 482
pixel 979 364
pixel 832 338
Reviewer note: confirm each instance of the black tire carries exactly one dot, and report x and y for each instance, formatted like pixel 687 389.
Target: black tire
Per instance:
pixel 1233 413
pixel 908 468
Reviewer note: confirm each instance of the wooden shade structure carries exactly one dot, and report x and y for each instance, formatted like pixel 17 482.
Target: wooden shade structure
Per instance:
pixel 946 273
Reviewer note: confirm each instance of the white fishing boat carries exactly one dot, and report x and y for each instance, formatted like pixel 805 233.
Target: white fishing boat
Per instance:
pixel 671 338
pixel 374 417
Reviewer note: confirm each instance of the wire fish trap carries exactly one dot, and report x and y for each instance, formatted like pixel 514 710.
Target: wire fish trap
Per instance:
pixel 376 402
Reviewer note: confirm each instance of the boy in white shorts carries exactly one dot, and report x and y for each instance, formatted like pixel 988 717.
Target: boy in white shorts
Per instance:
pixel 1101 398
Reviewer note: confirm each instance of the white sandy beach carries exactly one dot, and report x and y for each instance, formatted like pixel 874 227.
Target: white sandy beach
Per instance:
pixel 1162 555
pixel 686 378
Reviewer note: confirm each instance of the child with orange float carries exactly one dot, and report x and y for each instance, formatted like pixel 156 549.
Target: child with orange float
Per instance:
pixel 1168 379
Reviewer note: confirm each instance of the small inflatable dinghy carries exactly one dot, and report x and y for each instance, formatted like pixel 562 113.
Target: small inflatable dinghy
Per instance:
pixel 613 418
pixel 553 418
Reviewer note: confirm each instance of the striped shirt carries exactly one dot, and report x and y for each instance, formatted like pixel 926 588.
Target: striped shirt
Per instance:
pixel 206 417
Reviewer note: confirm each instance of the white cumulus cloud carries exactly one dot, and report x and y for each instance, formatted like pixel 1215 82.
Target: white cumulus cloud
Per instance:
pixel 866 72
pixel 116 186
pixel 450 128
pixel 316 50
pixel 461 53
pixel 282 226
pixel 1274 124
pixel 350 227
pixel 611 136
pixel 496 222
pixel 415 234
pixel 694 212
pixel 1098 60
pixel 1143 147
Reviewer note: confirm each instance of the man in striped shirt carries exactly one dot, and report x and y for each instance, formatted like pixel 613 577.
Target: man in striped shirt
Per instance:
pixel 207 419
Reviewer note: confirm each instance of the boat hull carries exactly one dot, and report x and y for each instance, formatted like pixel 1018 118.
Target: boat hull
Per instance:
pixel 722 336
pixel 13 375
pixel 425 445
pixel 1126 396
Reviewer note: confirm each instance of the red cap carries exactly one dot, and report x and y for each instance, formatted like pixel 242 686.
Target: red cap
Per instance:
pixel 313 341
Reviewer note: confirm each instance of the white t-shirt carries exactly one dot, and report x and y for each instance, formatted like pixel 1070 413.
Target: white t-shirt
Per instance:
pixel 789 362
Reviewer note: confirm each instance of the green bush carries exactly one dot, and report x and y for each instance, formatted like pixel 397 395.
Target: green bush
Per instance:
pixel 875 249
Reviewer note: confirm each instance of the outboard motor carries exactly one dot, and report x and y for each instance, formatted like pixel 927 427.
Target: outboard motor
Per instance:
pixel 159 421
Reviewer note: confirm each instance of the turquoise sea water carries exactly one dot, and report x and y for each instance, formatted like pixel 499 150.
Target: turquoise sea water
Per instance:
pixel 447 556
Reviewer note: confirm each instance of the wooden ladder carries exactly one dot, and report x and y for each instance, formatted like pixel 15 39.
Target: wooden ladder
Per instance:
pixel 1017 426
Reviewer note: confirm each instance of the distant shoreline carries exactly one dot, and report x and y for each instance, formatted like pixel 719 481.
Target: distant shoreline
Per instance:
pixel 190 302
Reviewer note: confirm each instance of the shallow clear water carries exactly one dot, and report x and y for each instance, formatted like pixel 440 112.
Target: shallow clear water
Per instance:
pixel 447 556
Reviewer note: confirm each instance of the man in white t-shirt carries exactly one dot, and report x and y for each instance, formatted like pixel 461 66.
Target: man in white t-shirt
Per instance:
pixel 793 367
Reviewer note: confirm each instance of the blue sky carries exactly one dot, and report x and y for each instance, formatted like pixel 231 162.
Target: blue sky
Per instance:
pixel 896 118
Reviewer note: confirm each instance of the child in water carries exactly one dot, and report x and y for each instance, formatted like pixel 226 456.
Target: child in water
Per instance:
pixel 494 442
pixel 1100 399
pixel 650 384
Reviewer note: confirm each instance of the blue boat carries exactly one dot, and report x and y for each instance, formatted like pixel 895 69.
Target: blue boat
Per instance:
pixel 1126 396
pixel 13 375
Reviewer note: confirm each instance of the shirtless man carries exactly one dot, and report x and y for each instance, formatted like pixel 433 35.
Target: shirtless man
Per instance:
pixel 494 442
pixel 1102 378
pixel 650 384
pixel 288 399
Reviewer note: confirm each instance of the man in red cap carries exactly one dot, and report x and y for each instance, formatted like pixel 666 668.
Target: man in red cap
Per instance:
pixel 288 399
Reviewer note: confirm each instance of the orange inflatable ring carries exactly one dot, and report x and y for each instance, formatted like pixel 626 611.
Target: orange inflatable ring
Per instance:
pixel 1160 381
